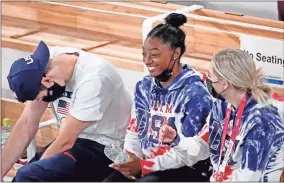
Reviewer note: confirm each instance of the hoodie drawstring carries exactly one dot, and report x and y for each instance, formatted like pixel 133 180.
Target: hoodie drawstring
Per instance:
pixel 158 91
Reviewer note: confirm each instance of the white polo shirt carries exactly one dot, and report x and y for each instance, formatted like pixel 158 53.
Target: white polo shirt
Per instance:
pixel 95 94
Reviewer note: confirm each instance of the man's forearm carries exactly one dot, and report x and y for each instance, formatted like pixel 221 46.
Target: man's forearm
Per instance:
pixel 58 146
pixel 68 134
pixel 18 141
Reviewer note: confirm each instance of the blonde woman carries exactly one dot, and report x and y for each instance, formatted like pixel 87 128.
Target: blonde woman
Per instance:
pixel 244 134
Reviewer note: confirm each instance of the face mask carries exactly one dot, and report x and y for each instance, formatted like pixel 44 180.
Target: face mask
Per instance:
pixel 164 76
pixel 57 92
pixel 212 91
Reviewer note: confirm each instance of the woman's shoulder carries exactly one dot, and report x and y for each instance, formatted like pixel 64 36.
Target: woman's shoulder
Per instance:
pixel 266 118
pixel 219 109
pixel 145 82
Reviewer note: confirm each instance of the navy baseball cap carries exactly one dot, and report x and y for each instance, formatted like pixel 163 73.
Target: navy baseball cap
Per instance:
pixel 26 73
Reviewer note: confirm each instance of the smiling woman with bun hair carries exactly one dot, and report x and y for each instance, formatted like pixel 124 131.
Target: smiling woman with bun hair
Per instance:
pixel 172 94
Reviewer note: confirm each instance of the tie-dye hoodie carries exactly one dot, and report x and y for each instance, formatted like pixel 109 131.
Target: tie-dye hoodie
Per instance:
pixel 259 147
pixel 184 104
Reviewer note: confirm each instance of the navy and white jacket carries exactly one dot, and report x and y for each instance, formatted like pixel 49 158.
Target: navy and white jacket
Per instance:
pixel 184 104
pixel 258 150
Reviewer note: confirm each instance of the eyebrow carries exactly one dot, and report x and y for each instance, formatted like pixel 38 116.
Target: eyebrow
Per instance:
pixel 151 48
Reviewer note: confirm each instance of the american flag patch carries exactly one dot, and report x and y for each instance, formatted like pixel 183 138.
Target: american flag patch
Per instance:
pixel 63 107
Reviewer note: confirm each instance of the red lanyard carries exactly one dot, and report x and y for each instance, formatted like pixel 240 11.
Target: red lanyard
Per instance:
pixel 235 129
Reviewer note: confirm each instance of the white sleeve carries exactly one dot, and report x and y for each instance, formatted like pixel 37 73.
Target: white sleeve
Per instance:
pixel 131 143
pixel 189 151
pixel 92 98
pixel 193 149
pixel 55 51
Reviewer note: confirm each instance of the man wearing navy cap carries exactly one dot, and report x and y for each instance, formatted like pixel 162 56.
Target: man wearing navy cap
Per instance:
pixel 90 103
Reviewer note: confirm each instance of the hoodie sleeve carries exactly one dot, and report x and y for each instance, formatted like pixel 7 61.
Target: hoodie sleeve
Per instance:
pixel 131 143
pixel 197 113
pixel 192 150
pixel 261 141
pixel 188 148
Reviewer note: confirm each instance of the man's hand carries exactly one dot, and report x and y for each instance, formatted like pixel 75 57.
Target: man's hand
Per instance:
pixel 130 168
pixel 69 132
pixel 167 134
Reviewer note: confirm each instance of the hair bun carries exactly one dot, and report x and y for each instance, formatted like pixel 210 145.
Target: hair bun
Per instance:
pixel 175 19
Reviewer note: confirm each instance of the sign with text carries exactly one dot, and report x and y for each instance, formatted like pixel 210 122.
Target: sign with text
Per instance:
pixel 268 54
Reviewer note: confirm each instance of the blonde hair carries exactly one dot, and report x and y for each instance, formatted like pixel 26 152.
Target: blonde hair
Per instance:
pixel 238 68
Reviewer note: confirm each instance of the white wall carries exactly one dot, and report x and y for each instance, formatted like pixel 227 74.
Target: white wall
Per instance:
pixel 258 9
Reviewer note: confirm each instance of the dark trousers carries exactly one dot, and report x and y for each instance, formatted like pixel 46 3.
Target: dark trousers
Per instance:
pixel 199 173
pixel 85 162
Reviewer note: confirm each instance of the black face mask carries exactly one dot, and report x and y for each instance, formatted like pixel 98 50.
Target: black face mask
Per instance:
pixel 167 73
pixel 57 92
pixel 164 76
pixel 212 90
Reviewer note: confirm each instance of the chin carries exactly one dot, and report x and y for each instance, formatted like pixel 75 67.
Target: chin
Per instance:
pixel 154 74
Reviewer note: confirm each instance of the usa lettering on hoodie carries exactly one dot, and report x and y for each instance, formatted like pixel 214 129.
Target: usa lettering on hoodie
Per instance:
pixel 184 105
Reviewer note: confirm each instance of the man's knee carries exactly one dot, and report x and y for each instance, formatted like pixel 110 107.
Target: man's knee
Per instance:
pixel 27 173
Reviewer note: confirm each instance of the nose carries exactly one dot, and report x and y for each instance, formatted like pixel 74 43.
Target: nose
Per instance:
pixel 147 59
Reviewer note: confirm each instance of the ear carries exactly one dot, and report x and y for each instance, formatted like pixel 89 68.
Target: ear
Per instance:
pixel 47 81
pixel 225 83
pixel 176 53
